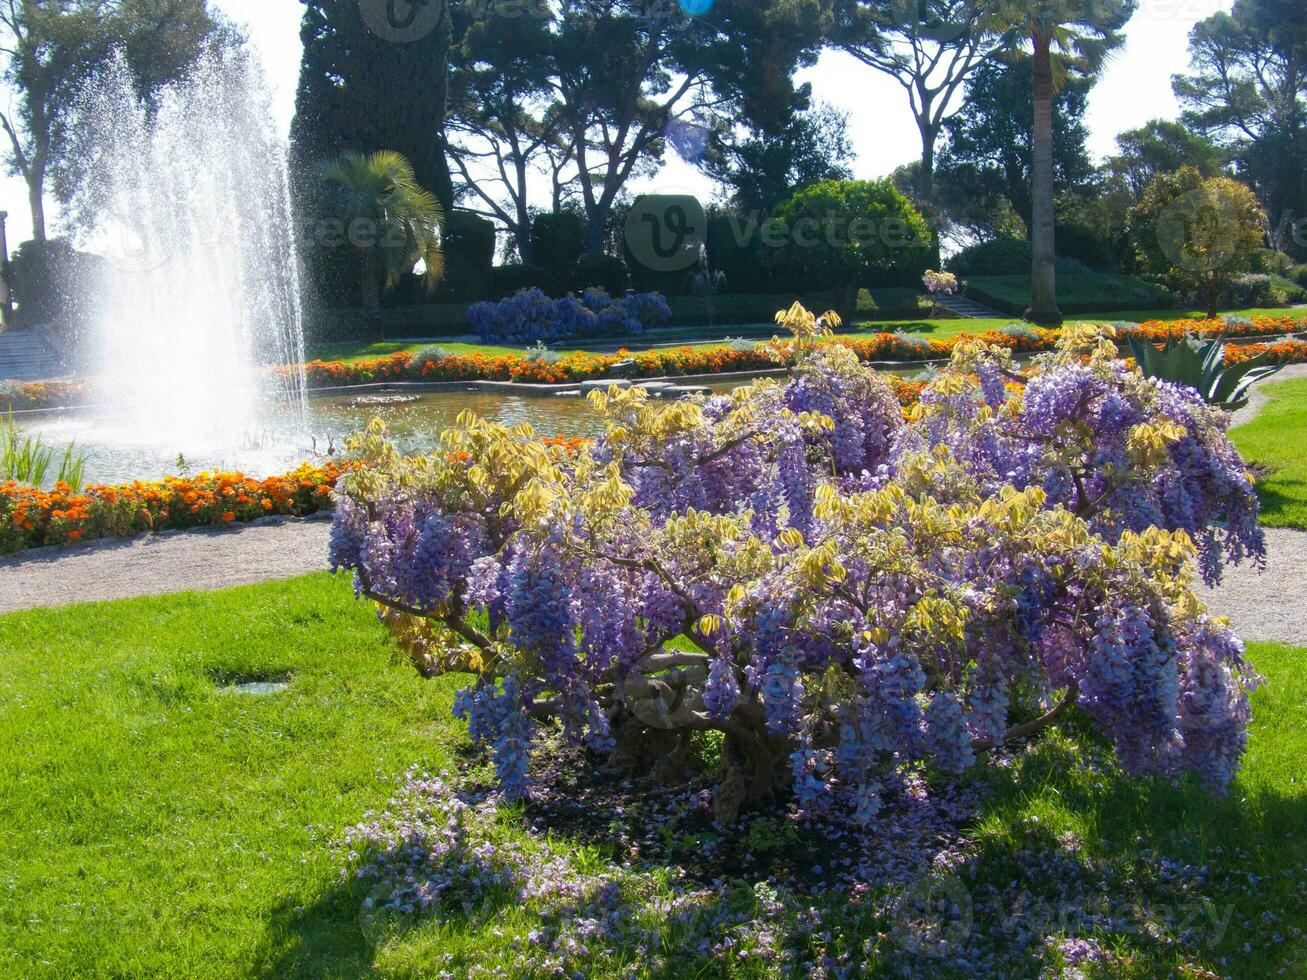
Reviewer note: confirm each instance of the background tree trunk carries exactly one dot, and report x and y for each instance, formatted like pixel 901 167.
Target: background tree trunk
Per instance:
pixel 926 177
pixel 36 199
pixel 1043 285
pixel 371 288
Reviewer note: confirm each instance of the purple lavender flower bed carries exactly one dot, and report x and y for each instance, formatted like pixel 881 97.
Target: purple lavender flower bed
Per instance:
pixel 531 317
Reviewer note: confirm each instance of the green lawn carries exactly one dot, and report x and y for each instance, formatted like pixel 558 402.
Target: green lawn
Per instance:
pixel 356 350
pixel 1275 440
pixel 151 825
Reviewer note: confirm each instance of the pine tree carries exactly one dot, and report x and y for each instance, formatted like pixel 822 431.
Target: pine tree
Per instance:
pixel 361 91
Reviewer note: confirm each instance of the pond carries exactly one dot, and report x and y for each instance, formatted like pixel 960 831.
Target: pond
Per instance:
pixel 415 421
pixel 115 453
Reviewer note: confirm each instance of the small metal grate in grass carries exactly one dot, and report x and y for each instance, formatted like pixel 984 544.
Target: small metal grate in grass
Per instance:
pixel 251 684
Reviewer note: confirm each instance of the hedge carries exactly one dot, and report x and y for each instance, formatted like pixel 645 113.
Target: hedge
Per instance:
pixel 1077 293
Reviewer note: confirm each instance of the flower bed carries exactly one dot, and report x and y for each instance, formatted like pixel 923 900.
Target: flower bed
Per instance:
pixel 531 317
pixel 666 362
pixel 1285 352
pixel 18 396
pixel 30 518
pixel 577 366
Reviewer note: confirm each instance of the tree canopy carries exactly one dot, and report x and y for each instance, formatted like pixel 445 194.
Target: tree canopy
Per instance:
pixel 1162 146
pixel 1247 88
pixel 985 168
pixel 763 168
pixel 362 91
pixel 51 50
pixel 1196 233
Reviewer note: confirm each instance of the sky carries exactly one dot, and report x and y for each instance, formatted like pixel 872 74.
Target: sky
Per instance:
pixel 1135 88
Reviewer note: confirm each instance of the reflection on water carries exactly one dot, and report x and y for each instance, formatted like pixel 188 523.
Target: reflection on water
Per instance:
pixel 415 423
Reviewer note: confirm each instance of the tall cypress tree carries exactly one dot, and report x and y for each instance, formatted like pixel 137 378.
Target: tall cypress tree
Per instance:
pixel 365 88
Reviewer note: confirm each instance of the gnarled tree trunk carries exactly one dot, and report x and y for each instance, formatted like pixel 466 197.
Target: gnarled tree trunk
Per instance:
pixel 1043 286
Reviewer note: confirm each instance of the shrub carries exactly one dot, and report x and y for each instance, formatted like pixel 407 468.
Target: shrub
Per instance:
pixel 731 243
pixel 1288 288
pixel 531 317
pixel 1298 274
pixel 890 302
pixel 844 595
pixel 426 356
pixel 641 241
pixel 469 244
pixel 1085 292
pixel 845 234
pixel 1091 250
pixel 915 347
pixel 506 280
pixel 1272 262
pixel 1020 332
pixel 940 282
pixel 541 354
pixel 1081 251
pixel 54 285
pixel 606 272
pixel 650 309
pixel 1196 234
pixel 1252 289
pixel 556 240
pixel 997 257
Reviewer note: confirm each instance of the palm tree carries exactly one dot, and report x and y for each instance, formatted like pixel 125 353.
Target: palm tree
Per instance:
pixel 387 217
pixel 1065 35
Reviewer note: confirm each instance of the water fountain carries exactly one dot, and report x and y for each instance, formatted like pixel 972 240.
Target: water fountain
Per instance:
pixel 189 199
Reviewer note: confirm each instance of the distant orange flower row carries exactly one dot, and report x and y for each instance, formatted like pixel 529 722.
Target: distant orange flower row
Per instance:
pixel 17 396
pixel 30 518
pixel 580 366
pixel 1285 352
pixel 677 361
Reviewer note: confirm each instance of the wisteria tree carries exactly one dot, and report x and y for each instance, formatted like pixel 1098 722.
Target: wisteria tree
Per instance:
pixel 842 592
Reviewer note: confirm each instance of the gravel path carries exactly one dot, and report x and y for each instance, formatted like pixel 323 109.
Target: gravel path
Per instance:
pixel 210 558
pixel 1267 606
pixel 1261 606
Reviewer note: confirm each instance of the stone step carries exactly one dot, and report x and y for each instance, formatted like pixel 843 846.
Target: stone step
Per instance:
pixel 969 308
pixel 24 356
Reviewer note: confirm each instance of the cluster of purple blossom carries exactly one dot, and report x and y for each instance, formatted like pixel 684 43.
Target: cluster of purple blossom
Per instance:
pixel 840 592
pixel 531 317
pixel 940 282
pixel 921 892
pixel 451 855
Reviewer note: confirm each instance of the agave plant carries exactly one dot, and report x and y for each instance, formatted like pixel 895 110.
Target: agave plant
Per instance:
pixel 1202 366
